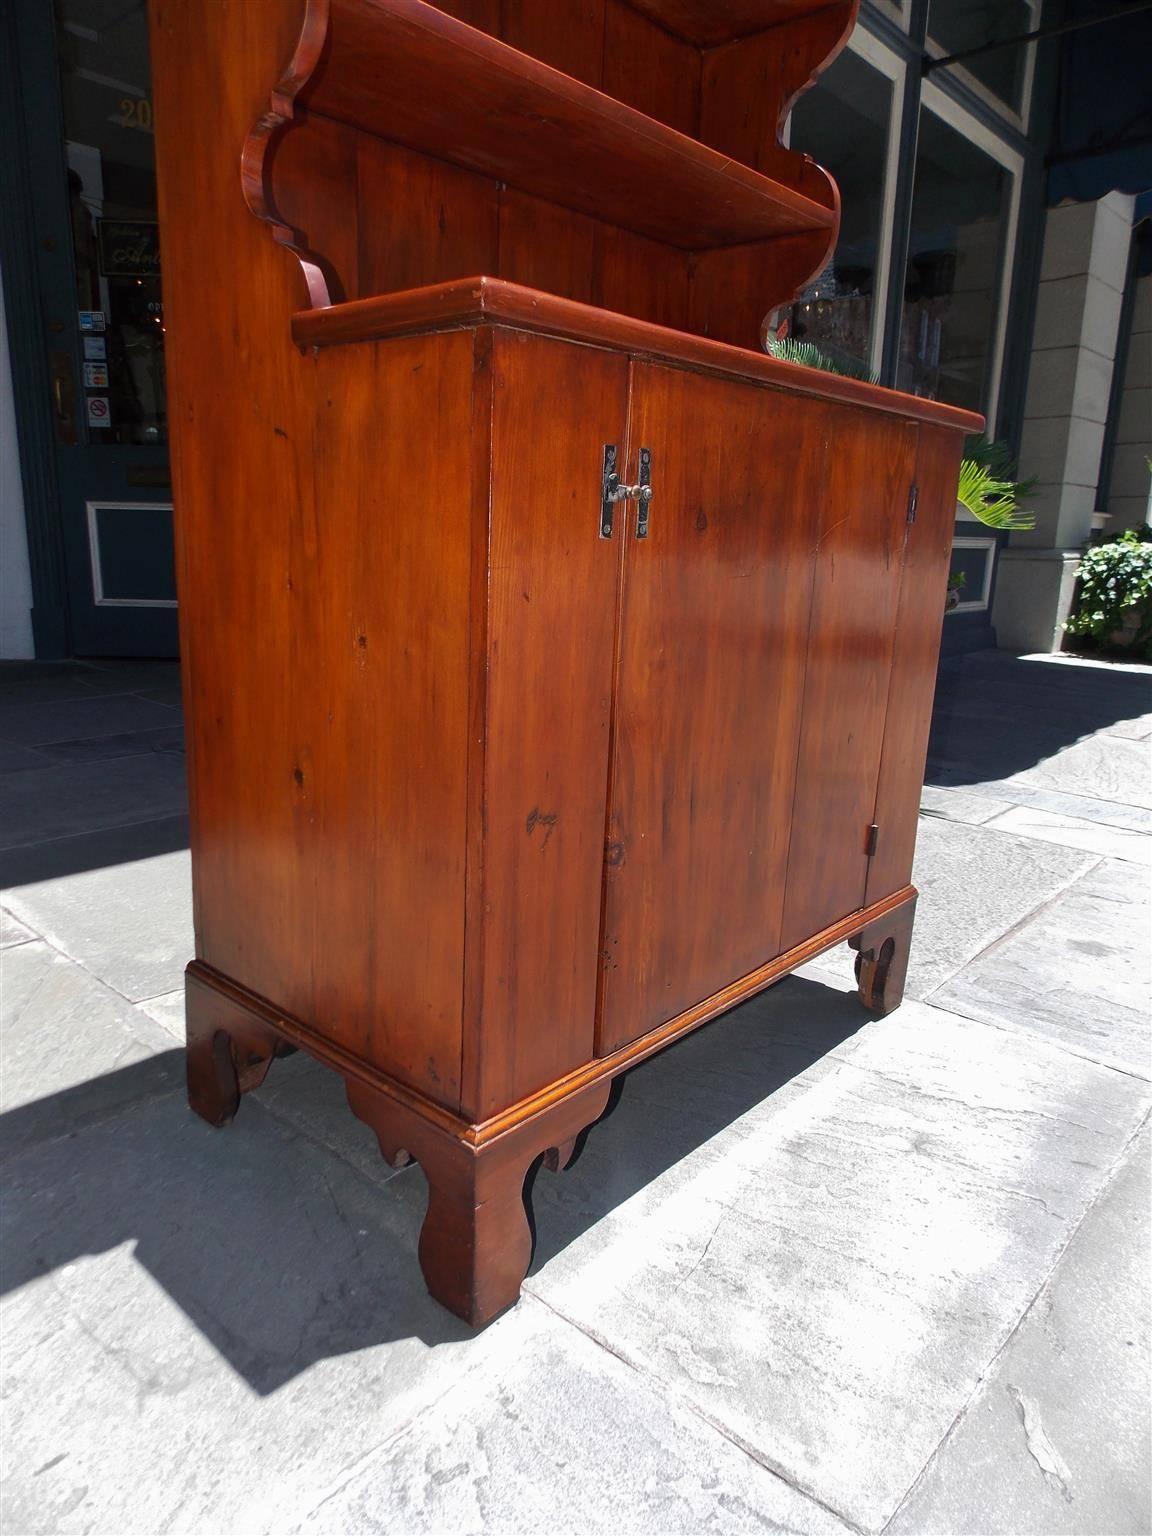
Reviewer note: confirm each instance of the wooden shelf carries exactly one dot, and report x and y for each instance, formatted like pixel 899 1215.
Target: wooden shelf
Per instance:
pixel 708 23
pixel 475 301
pixel 405 71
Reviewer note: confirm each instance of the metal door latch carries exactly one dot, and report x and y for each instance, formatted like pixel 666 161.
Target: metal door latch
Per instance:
pixel 611 491
pixel 642 491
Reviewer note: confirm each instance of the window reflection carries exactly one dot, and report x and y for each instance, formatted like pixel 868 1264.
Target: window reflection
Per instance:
pixel 952 281
pixel 958 25
pixel 842 122
pixel 105 87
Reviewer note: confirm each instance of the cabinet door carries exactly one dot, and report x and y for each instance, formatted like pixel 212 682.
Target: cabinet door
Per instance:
pixel 712 642
pixel 923 587
pixel 863 525
pixel 551 587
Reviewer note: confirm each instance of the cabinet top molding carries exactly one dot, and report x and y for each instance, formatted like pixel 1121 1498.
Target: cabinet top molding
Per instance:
pixel 478 301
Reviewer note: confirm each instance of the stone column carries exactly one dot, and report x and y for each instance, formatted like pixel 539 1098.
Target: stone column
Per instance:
pixel 1077 320
pixel 1130 491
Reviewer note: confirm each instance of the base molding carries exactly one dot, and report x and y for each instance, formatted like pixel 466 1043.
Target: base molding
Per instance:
pixel 475 1245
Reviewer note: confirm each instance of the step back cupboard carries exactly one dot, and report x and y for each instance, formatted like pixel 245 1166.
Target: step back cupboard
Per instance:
pixel 558 664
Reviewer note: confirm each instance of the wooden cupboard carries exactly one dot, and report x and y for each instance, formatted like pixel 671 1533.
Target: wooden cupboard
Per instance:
pixel 558 664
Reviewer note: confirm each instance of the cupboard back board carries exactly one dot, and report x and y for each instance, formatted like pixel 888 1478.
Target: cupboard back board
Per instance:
pixel 502 775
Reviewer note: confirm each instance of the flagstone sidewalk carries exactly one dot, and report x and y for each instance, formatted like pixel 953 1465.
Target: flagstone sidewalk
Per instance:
pixel 814 1273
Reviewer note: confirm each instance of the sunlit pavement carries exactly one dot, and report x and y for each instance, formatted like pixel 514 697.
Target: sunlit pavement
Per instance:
pixel 814 1273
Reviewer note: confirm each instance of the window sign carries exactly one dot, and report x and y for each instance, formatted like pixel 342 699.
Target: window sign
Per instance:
pixel 128 248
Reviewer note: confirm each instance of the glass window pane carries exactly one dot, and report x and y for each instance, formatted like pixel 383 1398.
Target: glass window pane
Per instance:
pixel 842 122
pixel 961 24
pixel 952 282
pixel 105 86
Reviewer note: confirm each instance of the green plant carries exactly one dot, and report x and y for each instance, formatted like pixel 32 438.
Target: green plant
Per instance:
pixel 956 580
pixel 807 353
pixel 989 498
pixel 988 488
pixel 1114 578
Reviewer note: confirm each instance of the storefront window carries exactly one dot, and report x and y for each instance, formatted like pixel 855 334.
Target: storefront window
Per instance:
pixel 104 77
pixel 952 281
pixel 957 25
pixel 843 124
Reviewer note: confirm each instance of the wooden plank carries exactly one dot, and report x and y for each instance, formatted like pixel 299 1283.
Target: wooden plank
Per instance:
pixel 708 23
pixel 420 219
pixel 917 646
pixel 551 624
pixel 639 277
pixel 711 673
pixel 380 682
pixel 854 600
pixel 650 69
pixel 570 37
pixel 547 247
pixel 316 193
pixel 489 300
pixel 462 96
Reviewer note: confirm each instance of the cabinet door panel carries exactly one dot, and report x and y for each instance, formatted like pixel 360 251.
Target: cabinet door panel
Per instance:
pixel 711 672
pixel 551 615
pixel 923 588
pixel 854 601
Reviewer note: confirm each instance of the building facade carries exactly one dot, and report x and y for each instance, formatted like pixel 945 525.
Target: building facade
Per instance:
pixel 945 281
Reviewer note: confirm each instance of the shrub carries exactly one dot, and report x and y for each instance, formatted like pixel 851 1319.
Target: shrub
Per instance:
pixel 1116 587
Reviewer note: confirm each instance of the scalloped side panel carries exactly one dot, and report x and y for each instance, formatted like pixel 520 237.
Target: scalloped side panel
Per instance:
pixel 260 145
pixel 748 91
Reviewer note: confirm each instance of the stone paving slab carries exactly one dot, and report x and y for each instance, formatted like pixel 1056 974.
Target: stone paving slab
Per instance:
pixel 1103 767
pixel 101 848
pixel 20 759
pixel 313 1102
pixel 37 723
pixel 831 1281
pixel 12 931
pixel 86 797
pixel 73 1051
pixel 1076 832
pixel 130 923
pixel 975 884
pixel 1077 973
pixel 1056 1442
pixel 204 1328
pixel 562 1438
pixel 94 749
pixel 959 805
pixel 168 1011
pixel 61 680
pixel 1108 813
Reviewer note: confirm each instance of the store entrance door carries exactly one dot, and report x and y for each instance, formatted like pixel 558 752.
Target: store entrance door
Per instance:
pixel 87 111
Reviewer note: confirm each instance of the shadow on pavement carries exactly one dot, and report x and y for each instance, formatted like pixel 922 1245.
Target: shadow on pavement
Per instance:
pixel 996 714
pixel 283 1253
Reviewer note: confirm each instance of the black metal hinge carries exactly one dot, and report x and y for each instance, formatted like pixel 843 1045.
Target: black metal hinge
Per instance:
pixel 873 839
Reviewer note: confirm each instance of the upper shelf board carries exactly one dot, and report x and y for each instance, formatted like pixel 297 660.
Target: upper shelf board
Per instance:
pixel 405 71
pixel 709 23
